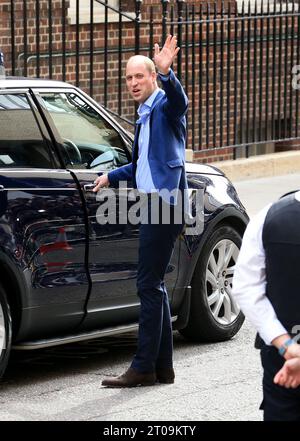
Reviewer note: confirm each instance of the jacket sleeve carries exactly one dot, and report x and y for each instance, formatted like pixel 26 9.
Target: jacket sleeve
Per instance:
pixel 123 173
pixel 176 104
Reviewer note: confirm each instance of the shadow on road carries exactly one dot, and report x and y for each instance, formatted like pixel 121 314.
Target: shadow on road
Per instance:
pixel 101 357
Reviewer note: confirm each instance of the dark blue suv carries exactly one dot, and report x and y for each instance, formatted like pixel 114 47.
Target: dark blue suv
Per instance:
pixel 64 276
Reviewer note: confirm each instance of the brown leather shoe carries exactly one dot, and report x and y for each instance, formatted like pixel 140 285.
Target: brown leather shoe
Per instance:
pixel 165 375
pixel 131 378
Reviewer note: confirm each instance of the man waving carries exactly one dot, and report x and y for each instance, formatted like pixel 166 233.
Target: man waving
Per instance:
pixel 157 170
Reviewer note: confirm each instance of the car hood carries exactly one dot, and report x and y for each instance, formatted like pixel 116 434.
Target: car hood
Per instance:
pixel 191 167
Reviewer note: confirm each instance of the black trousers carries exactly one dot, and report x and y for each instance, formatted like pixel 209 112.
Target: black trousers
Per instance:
pixel 279 403
pixel 155 340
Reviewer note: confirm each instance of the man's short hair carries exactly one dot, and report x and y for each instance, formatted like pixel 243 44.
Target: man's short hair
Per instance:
pixel 145 60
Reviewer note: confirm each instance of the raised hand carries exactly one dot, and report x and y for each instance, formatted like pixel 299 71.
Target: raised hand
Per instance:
pixel 164 58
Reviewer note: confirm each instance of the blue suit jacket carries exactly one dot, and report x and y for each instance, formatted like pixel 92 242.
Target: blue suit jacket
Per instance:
pixel 166 153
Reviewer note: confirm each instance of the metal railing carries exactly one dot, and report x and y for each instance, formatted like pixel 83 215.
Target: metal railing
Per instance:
pixel 238 62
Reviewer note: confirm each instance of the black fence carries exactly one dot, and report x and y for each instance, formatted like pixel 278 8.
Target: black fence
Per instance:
pixel 239 61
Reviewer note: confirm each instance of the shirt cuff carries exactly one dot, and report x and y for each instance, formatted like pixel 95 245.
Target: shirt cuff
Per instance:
pixel 268 333
pixel 164 77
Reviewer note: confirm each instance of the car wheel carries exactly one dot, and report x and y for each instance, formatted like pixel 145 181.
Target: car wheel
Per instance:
pixel 5 331
pixel 214 314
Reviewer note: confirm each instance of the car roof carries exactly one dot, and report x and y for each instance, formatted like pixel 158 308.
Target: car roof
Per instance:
pixel 23 82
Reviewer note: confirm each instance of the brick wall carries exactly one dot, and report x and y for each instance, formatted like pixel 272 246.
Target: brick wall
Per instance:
pixel 106 86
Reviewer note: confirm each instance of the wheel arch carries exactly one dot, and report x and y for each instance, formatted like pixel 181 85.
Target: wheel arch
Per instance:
pixel 14 287
pixel 229 216
pixel 201 324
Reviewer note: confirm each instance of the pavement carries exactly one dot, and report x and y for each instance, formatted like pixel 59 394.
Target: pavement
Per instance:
pixel 262 179
pixel 257 193
pixel 214 382
pixel 274 164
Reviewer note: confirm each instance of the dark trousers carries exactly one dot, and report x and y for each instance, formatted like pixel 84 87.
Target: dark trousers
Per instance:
pixel 155 339
pixel 279 403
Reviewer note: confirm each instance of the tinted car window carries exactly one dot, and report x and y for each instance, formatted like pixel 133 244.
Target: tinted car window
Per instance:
pixel 21 142
pixel 91 142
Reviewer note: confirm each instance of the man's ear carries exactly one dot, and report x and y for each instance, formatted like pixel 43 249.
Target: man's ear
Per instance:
pixel 154 76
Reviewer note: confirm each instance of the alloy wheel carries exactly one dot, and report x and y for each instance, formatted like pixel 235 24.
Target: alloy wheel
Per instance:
pixel 219 275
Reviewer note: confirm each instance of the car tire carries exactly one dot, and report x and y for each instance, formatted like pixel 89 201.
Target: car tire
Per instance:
pixel 214 314
pixel 5 331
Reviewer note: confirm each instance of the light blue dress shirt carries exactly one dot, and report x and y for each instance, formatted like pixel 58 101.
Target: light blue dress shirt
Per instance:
pixel 144 180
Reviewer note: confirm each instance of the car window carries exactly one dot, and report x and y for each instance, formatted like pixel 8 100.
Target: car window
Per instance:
pixel 88 139
pixel 21 141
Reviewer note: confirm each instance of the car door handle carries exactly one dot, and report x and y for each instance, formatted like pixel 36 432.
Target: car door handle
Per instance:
pixel 88 187
pixel 1 187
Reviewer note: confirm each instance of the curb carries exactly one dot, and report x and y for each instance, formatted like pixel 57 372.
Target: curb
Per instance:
pixel 274 164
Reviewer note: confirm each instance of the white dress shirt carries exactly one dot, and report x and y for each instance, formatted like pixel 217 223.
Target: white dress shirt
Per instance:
pixel 249 281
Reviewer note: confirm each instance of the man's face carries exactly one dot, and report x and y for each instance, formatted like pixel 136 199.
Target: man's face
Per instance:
pixel 140 81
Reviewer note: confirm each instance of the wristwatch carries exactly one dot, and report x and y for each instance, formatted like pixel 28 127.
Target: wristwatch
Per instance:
pixel 282 349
